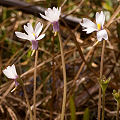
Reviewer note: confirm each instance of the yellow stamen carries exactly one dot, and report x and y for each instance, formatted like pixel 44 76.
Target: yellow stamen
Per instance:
pixel 13 89
pixel 95 43
pixel 55 33
pixel 33 52
pixel 99 26
pixel 34 34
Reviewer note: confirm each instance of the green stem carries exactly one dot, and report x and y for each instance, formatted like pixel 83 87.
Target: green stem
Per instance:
pixel 99 103
pixel 103 105
pixel 101 72
pixel 34 94
pixel 117 116
pixel 64 76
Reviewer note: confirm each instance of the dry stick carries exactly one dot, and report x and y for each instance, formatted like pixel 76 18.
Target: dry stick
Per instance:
pixel 81 67
pixel 48 24
pixel 6 92
pixel 101 72
pixel 63 3
pixel 64 76
pixel 113 16
pixel 73 10
pixel 41 64
pixel 28 104
pixel 38 91
pixel 78 46
pixel 34 93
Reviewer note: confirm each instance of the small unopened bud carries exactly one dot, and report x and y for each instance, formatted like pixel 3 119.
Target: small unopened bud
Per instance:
pixel 116 95
pixel 104 82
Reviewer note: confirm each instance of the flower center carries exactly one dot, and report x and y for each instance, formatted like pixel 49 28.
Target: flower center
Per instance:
pixel 34 34
pixel 99 26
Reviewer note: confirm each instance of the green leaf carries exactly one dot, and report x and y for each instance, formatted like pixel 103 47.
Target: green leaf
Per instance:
pixel 29 53
pixel 108 5
pixel 86 114
pixel 72 108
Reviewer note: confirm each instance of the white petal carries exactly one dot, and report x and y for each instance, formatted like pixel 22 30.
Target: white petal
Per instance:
pixel 30 37
pixel 54 9
pixel 24 36
pixel 38 29
pixel 88 23
pixel 49 10
pixel 59 9
pixel 40 37
pixel 97 16
pixel 27 29
pixel 52 15
pixel 100 18
pixel 89 30
pixel 21 35
pixel 102 34
pixel 30 27
pixel 10 72
pixel 14 70
pixel 45 17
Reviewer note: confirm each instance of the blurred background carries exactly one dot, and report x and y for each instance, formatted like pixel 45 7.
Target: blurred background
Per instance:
pixel 82 79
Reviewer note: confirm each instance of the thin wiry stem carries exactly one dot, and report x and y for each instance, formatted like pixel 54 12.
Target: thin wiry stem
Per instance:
pixel 99 103
pixel 103 104
pixel 117 115
pixel 34 94
pixel 53 76
pixel 26 97
pixel 64 77
pixel 101 72
pixel 28 104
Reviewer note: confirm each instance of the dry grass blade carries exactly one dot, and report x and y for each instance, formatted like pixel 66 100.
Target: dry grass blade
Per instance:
pixel 11 113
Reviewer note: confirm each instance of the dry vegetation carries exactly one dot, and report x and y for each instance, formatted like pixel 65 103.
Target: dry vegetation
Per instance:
pixel 82 63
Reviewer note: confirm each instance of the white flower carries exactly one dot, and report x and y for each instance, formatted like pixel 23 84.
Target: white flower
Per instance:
pixel 53 15
pixel 32 35
pixel 10 72
pixel 91 27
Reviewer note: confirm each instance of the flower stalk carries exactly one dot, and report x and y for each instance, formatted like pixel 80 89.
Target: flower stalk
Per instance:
pixel 117 98
pixel 118 106
pixel 64 77
pixel 101 72
pixel 103 82
pixel 90 27
pixel 34 92
pixel 103 105
pixel 26 97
